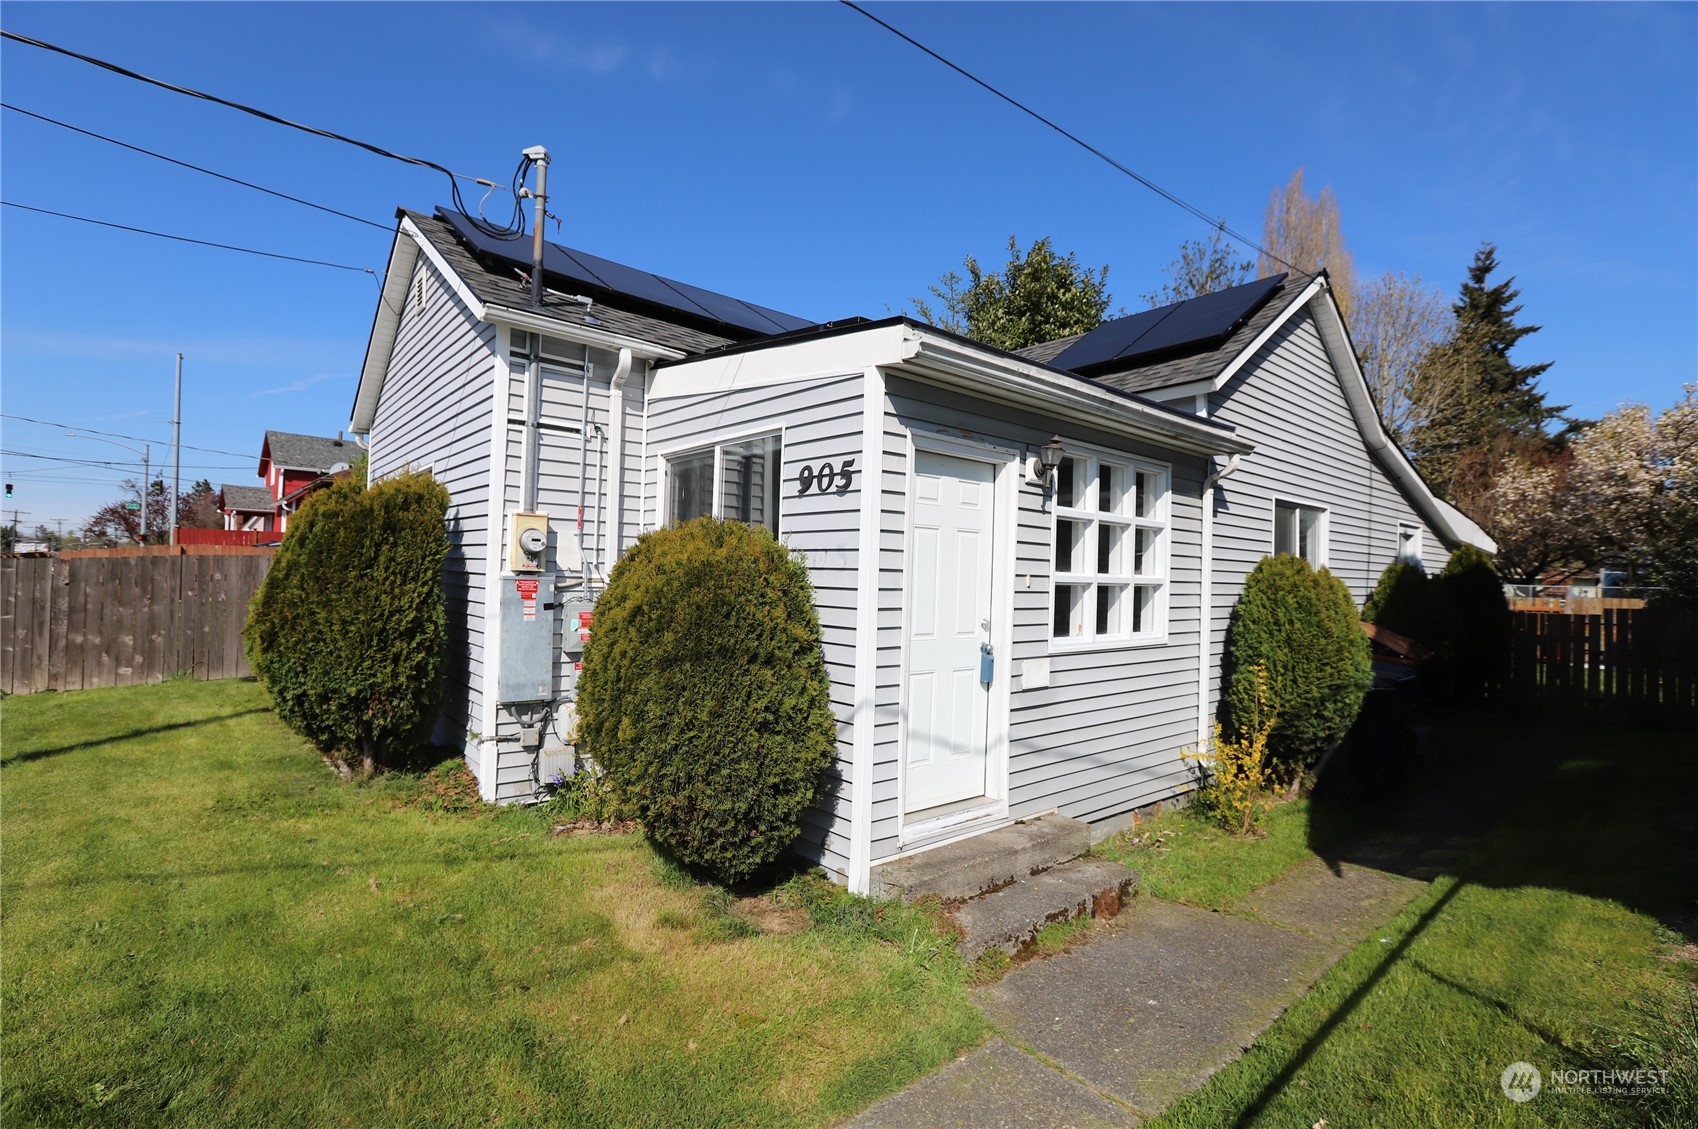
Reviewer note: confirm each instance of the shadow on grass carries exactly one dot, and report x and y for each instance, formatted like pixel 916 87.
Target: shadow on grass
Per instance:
pixel 40 754
pixel 1600 814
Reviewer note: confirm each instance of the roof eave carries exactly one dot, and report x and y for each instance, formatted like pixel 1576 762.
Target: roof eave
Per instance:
pixel 1448 521
pixel 386 323
pixel 953 361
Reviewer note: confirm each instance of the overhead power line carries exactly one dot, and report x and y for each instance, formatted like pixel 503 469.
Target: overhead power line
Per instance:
pixel 515 226
pixel 121 435
pixel 184 164
pixel 186 239
pixel 1217 224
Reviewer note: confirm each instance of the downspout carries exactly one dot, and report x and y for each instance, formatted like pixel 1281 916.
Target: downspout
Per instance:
pixel 528 438
pixel 616 425
pixel 1205 600
pixel 583 471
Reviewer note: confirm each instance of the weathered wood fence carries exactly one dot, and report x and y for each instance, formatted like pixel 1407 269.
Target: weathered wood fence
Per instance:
pixel 117 617
pixel 1633 666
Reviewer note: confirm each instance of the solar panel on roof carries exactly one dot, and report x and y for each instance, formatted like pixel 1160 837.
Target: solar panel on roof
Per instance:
pixel 583 270
pixel 1110 339
pixel 1195 321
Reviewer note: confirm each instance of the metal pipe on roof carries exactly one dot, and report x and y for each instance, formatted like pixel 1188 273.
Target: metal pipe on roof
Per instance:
pixel 539 155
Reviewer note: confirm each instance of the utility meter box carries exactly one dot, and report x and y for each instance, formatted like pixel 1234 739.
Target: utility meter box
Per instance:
pixel 579 613
pixel 529 612
pixel 527 542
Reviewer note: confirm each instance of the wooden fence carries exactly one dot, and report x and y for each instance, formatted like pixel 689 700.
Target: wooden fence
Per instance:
pixel 228 537
pixel 117 617
pixel 1634 666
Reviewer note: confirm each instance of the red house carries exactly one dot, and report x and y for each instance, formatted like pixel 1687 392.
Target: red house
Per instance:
pixel 292 467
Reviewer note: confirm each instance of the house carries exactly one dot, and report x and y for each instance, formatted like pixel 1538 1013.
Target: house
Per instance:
pixel 247 507
pixel 292 466
pixel 1023 564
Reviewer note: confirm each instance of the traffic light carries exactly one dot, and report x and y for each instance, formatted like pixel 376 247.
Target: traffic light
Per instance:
pixel 8 489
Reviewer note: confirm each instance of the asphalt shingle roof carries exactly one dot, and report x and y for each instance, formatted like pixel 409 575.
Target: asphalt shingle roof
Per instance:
pixel 502 287
pixel 1046 351
pixel 247 498
pixel 309 452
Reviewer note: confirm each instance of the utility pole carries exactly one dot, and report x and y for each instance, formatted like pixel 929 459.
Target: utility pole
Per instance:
pixel 176 447
pixel 147 488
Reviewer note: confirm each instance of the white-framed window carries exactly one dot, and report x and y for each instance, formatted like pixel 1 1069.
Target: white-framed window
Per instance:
pixel 737 481
pixel 1300 531
pixel 1111 551
pixel 1409 543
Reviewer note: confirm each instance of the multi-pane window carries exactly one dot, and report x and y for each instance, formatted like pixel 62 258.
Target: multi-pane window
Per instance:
pixel 1111 523
pixel 737 481
pixel 1300 531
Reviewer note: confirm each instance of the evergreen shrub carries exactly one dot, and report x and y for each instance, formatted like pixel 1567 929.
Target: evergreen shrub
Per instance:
pixel 1298 627
pixel 1406 600
pixel 704 694
pixel 347 630
pixel 1482 623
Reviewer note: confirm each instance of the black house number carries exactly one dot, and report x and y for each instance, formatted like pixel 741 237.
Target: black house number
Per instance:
pixel 825 478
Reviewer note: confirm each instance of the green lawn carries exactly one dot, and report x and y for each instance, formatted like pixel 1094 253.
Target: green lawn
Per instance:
pixel 203 926
pixel 1180 857
pixel 1545 948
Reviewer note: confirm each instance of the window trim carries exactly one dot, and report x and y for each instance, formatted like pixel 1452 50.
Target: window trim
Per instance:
pixel 663 499
pixel 1324 535
pixel 1160 578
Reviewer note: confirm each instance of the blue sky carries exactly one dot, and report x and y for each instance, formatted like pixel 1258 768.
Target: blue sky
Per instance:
pixel 800 156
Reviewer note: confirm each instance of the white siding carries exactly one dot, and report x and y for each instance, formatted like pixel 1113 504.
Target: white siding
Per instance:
pixel 434 413
pixel 1288 401
pixel 821 422
pixel 1105 736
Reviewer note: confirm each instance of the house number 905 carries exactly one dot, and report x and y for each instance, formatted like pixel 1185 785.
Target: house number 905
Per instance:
pixel 825 478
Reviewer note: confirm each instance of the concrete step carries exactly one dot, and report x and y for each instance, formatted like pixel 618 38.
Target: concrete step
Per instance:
pixel 985 862
pixel 1010 918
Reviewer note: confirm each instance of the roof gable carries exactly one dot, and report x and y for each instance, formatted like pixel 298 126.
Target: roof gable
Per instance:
pixel 306 452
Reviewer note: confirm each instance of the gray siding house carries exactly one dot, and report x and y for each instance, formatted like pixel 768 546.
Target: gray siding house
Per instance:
pixel 1023 565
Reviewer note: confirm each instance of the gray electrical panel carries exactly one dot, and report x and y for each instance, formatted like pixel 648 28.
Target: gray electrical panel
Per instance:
pixel 579 611
pixel 529 612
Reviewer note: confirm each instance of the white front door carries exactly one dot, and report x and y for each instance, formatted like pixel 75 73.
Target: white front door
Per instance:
pixel 949 597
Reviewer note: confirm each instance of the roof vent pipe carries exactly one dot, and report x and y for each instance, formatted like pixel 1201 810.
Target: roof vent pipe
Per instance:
pixel 539 155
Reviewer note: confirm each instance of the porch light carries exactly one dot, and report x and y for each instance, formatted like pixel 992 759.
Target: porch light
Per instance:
pixel 1051 453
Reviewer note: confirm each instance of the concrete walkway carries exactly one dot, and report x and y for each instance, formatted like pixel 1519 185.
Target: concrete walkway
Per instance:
pixel 1165 995
pixel 1160 999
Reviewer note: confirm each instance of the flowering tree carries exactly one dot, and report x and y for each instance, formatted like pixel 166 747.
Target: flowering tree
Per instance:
pixel 1625 493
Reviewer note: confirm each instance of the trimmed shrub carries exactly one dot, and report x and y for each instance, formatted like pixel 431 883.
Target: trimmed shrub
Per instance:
pixel 347 630
pixel 704 694
pixel 1300 627
pixel 1406 600
pixel 1482 623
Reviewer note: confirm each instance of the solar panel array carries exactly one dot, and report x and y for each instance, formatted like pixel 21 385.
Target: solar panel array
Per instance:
pixel 583 271
pixel 1209 319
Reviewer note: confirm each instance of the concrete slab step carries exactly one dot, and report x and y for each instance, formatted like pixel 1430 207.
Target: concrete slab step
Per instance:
pixel 985 862
pixel 1010 918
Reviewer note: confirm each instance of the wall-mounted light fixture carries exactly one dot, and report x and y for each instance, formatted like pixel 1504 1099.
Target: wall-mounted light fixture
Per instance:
pixel 1042 465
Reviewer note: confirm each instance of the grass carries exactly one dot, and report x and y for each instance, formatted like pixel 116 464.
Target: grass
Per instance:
pixel 203 926
pixel 1545 947
pixel 1181 857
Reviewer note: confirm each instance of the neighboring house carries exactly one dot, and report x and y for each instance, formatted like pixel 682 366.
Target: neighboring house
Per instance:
pixel 292 467
pixel 1001 639
pixel 247 507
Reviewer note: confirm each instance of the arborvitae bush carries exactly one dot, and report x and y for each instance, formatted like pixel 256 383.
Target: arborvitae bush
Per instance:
pixel 347 630
pixel 1406 600
pixel 704 694
pixel 1483 623
pixel 1299 626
